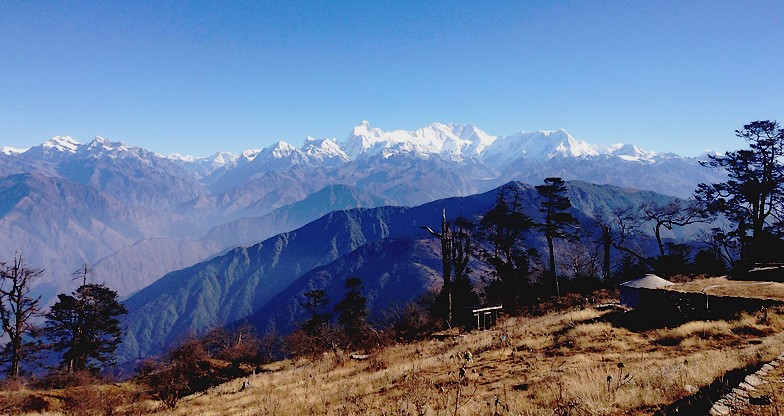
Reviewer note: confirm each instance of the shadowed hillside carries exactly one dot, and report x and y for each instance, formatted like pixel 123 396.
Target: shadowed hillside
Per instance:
pixel 389 282
pixel 233 286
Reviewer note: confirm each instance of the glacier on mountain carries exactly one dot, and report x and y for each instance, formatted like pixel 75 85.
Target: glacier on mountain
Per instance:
pixel 8 150
pixel 451 141
pixel 324 150
pixel 62 144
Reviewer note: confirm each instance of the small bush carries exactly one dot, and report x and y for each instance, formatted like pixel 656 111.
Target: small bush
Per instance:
pixel 325 338
pixel 22 402
pixel 188 368
pixel 414 322
pixel 64 379
pixel 11 384
pixel 96 400
pixel 200 363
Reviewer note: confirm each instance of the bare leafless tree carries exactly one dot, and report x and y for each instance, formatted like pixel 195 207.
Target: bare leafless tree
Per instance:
pixel 18 310
pixel 621 228
pixel 678 213
pixel 577 259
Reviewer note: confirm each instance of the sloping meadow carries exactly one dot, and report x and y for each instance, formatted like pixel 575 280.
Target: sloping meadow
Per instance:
pixel 580 362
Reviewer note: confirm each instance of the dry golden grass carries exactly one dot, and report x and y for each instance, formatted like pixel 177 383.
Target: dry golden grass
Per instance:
pixel 721 286
pixel 555 364
pixel 101 399
pixel 713 333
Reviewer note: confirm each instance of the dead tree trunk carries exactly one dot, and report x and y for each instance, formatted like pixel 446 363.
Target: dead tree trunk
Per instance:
pixel 446 258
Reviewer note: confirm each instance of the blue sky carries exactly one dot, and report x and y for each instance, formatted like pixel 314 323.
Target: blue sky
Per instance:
pixel 198 77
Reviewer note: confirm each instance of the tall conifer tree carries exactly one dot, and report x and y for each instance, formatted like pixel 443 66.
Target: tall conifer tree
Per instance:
pixel 84 327
pixel 556 220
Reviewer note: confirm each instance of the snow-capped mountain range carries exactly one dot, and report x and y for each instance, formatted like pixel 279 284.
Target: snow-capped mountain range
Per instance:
pixel 139 214
pixel 453 142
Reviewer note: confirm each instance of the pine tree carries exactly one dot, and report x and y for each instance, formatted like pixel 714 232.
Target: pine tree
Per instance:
pixel 502 231
pixel 84 327
pixel 315 299
pixel 752 198
pixel 352 311
pixel 556 220
pixel 628 268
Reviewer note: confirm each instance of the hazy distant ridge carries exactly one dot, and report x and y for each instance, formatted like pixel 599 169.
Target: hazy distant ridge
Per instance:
pixel 182 209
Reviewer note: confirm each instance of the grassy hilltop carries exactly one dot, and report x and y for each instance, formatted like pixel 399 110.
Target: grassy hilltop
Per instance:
pixel 580 361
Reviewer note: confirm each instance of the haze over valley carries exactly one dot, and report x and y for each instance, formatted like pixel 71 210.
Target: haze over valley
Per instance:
pixel 135 215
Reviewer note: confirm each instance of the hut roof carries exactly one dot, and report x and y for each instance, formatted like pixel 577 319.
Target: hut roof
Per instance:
pixel 649 281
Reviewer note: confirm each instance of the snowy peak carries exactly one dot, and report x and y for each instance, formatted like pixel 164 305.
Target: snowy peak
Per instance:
pixel 363 138
pixel 250 154
pixel 100 146
pixel 364 129
pixel 631 152
pixel 102 142
pixel 53 150
pixel 314 152
pixel 453 142
pixel 569 146
pixel 279 150
pixel 281 155
pixel 8 150
pixel 323 150
pixel 548 144
pixel 217 159
pixel 479 139
pixel 59 148
pixel 61 144
pixel 540 145
pixel 179 157
pixel 220 159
